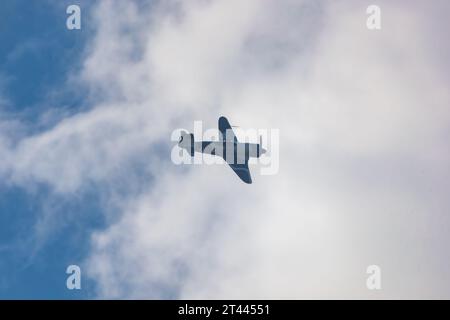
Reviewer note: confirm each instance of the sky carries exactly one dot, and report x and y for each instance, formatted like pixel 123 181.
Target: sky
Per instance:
pixel 86 176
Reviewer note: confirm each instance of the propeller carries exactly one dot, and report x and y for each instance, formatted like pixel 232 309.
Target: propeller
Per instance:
pixel 261 146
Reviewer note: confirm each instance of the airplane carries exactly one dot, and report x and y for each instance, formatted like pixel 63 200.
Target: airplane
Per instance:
pixel 235 153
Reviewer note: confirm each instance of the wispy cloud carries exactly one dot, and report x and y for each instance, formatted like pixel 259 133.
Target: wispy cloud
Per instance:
pixel 363 117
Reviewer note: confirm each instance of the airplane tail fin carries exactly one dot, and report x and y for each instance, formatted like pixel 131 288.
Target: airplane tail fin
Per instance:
pixel 191 138
pixel 187 142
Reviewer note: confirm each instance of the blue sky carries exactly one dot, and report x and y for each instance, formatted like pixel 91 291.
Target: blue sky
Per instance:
pixel 86 174
pixel 37 54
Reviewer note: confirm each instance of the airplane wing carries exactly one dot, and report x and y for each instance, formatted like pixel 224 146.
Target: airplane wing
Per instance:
pixel 224 128
pixel 242 171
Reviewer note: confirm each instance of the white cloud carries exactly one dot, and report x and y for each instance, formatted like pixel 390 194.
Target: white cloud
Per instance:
pixel 363 175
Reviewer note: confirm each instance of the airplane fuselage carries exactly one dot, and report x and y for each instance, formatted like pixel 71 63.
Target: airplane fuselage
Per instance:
pixel 232 152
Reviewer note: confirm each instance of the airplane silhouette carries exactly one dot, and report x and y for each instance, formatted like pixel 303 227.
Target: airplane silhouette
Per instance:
pixel 235 153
